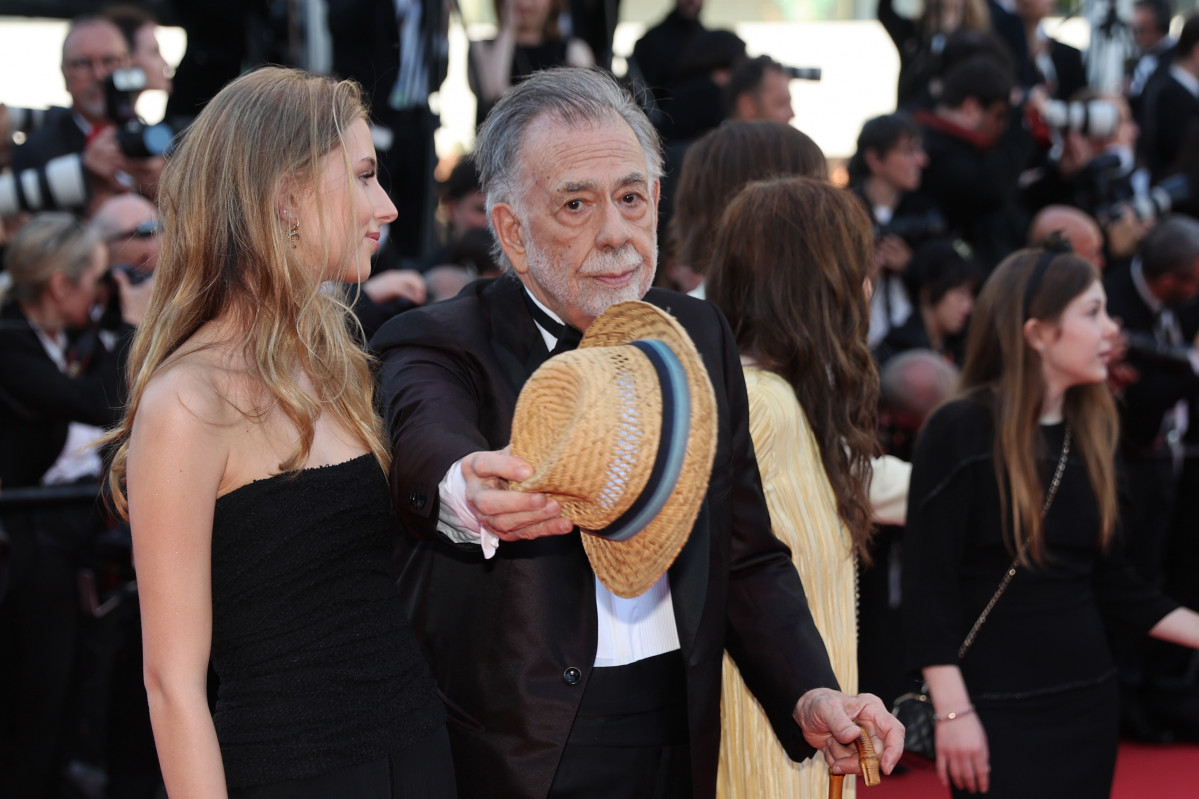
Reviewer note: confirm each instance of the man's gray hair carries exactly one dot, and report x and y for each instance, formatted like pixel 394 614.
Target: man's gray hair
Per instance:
pixel 1171 247
pixel 570 95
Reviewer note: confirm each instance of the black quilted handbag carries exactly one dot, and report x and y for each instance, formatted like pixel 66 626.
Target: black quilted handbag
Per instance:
pixel 915 711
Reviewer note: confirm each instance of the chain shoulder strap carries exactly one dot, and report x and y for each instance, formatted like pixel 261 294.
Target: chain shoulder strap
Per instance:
pixel 1011 572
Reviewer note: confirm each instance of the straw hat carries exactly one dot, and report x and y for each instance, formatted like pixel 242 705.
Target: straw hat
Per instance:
pixel 622 433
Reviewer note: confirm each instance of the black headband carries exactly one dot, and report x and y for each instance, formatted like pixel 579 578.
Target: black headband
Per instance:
pixel 1053 245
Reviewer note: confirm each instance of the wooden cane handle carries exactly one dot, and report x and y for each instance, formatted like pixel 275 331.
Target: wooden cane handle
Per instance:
pixel 867 759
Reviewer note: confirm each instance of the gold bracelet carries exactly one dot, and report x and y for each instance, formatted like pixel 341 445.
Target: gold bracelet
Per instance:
pixel 957 714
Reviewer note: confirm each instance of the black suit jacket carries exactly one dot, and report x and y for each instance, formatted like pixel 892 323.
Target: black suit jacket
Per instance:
pixel 501 634
pixel 37 404
pixel 58 135
pixel 38 401
pixel 975 184
pixel 1160 386
pixel 1067 63
pixel 1170 115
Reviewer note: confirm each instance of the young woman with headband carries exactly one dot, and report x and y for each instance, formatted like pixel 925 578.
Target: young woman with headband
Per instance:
pixel 1013 563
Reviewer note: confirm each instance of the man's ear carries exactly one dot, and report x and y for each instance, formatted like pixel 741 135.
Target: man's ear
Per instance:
pixel 873 159
pixel 744 106
pixel 510 234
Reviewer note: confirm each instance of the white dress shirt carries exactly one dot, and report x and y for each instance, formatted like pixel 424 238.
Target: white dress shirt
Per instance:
pixel 628 629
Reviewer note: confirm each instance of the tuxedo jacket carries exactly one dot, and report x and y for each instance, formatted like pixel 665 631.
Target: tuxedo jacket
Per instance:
pixel 511 640
pixel 1171 113
pixel 1159 387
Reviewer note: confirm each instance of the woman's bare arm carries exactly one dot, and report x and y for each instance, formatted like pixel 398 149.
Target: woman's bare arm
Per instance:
pixel 177 458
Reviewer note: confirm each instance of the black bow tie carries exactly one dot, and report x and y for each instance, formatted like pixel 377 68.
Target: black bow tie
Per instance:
pixel 567 336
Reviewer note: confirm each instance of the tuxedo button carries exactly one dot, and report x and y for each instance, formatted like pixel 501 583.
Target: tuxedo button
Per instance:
pixel 416 499
pixel 572 675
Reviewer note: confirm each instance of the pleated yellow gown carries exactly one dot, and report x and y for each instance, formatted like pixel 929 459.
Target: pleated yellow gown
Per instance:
pixel 803 512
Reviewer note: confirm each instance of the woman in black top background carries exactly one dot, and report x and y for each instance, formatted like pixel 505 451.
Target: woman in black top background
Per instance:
pixel 1031 710
pixel 528 40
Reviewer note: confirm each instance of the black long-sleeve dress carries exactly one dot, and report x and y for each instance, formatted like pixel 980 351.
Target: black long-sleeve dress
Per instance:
pixel 1040 671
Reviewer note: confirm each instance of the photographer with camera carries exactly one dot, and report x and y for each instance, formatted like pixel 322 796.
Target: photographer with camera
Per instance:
pixel 93 50
pixel 140 30
pixel 759 89
pixel 1089 153
pixel 977 146
pixel 59 387
pixel 884 174
pixel 128 225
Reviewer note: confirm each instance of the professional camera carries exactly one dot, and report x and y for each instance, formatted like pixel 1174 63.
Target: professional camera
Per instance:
pixel 24 120
pixel 1096 119
pixel 1154 203
pixel 1172 356
pixel 59 184
pixel 915 228
pixel 135 138
pixel 802 73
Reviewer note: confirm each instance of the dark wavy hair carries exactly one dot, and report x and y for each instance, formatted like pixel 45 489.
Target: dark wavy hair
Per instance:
pixel 788 266
pixel 718 165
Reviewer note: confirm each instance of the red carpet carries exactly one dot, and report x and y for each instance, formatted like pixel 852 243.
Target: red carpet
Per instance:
pixel 1142 771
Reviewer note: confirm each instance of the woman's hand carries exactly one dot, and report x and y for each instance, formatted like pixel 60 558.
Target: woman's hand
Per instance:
pixel 962 754
pixel 892 254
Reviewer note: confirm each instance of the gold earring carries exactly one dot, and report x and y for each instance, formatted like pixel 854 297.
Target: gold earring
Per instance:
pixel 293 233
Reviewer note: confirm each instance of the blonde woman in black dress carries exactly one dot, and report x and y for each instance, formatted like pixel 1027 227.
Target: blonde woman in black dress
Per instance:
pixel 1031 710
pixel 254 467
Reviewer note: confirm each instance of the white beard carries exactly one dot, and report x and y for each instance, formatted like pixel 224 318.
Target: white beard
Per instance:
pixel 592 298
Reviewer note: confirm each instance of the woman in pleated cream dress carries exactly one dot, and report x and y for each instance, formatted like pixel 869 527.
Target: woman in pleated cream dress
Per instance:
pixel 788 270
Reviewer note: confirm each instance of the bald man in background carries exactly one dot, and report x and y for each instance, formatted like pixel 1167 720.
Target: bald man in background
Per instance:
pixel 1073 225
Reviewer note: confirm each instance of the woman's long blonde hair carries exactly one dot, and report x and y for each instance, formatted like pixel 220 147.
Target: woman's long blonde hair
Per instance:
pixel 999 359
pixel 226 254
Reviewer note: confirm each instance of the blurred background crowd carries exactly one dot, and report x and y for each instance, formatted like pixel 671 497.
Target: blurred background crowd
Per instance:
pixel 1001 136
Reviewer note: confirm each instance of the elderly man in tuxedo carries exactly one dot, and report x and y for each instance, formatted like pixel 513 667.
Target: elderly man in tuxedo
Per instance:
pixel 555 686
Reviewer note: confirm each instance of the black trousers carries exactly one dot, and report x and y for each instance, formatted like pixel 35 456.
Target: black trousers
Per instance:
pixel 630 737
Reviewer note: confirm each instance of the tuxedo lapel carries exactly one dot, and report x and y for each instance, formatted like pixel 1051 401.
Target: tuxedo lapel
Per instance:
pixel 689 580
pixel 516 343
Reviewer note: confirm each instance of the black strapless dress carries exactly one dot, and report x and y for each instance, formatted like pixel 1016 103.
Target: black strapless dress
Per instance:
pixel 321 681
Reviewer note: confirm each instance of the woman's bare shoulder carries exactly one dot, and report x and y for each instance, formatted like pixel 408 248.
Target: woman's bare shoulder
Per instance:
pixel 201 383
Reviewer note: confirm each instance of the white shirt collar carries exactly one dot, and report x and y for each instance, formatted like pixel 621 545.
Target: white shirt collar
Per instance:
pixel 550 339
pixel 1188 81
pixel 1138 281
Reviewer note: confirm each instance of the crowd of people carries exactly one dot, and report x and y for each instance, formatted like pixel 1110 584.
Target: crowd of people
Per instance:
pixel 259 407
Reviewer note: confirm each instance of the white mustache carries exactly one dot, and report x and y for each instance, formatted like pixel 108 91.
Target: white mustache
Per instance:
pixel 622 260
